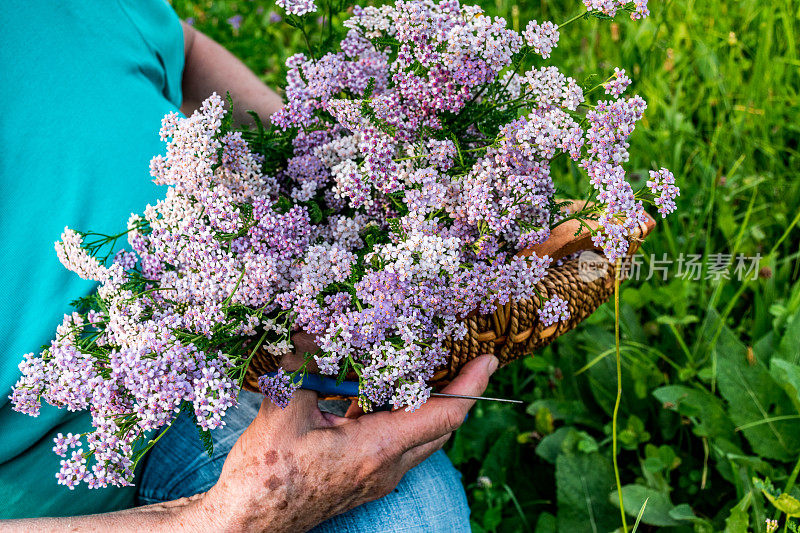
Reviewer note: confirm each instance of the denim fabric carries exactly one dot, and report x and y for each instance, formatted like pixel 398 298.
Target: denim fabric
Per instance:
pixel 429 498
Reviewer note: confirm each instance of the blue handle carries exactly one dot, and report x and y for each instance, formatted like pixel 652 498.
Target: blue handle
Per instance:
pixel 326 385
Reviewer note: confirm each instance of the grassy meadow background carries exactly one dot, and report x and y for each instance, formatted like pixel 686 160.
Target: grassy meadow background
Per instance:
pixel 711 367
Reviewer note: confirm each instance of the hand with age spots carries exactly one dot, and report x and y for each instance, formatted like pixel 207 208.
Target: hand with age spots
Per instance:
pixel 294 468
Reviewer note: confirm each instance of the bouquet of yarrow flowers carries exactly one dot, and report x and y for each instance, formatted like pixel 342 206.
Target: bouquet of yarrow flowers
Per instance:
pixel 385 202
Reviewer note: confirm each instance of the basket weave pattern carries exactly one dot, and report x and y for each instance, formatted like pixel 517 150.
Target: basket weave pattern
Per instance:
pixel 514 330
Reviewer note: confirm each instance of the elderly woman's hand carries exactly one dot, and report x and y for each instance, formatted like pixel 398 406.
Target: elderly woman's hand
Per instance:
pixel 294 468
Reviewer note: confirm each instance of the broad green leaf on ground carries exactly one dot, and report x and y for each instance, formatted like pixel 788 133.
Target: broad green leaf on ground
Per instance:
pixel 734 465
pixel 789 348
pixel 550 447
pixel 707 411
pixel 583 483
pixel 631 325
pixel 638 373
pixel 565 440
pixel 492 517
pixel 482 429
pixel 765 347
pixel 756 403
pixel 684 511
pixel 657 512
pixel 788 376
pixel 500 457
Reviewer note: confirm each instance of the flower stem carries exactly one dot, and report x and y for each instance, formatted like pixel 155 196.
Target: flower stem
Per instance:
pixel 617 269
pixel 573 19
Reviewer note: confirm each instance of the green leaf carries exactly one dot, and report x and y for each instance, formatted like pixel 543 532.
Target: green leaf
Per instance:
pixel 551 446
pixel 565 440
pixel 208 442
pixel 639 517
pixel 492 517
pixel 499 457
pixel 203 434
pixel 739 521
pixel 787 504
pixel 756 401
pixel 227 120
pixel 583 483
pixel 568 411
pixel 259 124
pixel 788 376
pixel 789 347
pixel 543 421
pixel 683 512
pixel 485 425
pixel 283 205
pixel 754 396
pixel 784 502
pixel 705 409
pixel 657 512
pixel 370 88
pixel 633 434
pixel 546 524
pixel 314 212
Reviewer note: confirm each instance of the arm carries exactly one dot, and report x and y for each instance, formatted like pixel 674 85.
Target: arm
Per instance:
pixel 210 68
pixel 177 516
pixel 289 471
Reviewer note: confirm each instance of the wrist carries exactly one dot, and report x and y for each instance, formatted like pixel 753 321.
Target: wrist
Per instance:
pixel 200 513
pixel 217 511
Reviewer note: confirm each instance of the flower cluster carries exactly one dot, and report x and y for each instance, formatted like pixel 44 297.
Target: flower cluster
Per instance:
pixel 541 37
pixel 278 388
pixel 212 245
pixel 554 310
pixel 662 183
pixel 416 162
pixel 610 7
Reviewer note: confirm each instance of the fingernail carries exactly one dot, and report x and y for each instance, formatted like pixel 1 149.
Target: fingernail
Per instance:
pixel 491 366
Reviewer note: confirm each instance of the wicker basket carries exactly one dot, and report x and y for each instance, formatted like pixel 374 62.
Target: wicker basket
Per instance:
pixel 585 280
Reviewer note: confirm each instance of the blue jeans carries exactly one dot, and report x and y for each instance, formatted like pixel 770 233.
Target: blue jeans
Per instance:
pixel 429 498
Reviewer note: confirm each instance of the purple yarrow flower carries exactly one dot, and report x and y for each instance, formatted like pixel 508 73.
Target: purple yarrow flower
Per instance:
pixel 278 388
pixel 662 184
pixel 618 83
pixel 451 253
pixel 554 310
pixel 235 21
pixel 541 37
pixel 297 7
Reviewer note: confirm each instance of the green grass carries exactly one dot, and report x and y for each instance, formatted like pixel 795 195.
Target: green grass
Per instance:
pixel 721 80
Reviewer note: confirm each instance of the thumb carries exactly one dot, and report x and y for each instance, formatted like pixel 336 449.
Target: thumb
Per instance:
pixel 440 416
pixel 473 378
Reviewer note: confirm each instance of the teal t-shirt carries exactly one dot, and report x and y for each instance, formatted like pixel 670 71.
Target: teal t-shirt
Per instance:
pixel 85 84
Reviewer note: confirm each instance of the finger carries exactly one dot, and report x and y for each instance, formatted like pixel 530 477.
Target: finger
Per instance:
pixel 415 456
pixel 439 416
pixel 303 343
pixel 333 420
pixel 301 415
